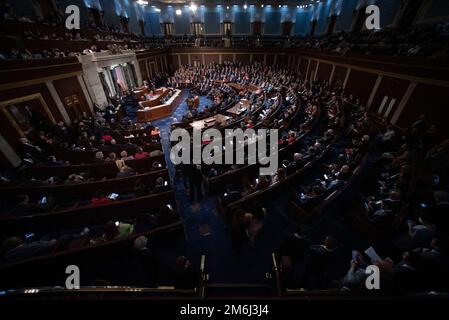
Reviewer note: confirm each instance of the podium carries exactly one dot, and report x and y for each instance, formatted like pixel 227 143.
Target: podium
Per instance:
pixel 155 112
pixel 144 115
pixel 196 102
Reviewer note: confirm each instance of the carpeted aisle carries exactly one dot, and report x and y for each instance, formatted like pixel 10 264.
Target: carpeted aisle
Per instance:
pixel 207 233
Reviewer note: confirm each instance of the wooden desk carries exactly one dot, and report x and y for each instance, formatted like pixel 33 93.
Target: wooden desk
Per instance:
pixel 140 93
pixel 158 95
pixel 239 108
pixel 196 102
pixel 210 122
pixel 250 87
pixel 162 110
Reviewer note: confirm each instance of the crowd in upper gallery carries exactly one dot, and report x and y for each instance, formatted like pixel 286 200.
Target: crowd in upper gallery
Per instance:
pixel 424 40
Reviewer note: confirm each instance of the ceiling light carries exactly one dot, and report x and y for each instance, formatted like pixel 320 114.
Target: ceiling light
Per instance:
pixel 193 7
pixel 245 6
pixel 178 12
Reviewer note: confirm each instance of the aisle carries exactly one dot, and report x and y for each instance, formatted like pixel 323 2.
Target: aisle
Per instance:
pixel 207 234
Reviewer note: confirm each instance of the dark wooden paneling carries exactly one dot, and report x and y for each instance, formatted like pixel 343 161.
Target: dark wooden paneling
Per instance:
pixel 311 72
pixel 68 87
pixel 430 101
pixel 293 60
pixel 270 59
pixel 258 57
pixel 227 57
pixel 242 57
pixel 149 53
pixel 196 57
pixel 10 134
pixel 419 67
pixel 7 129
pixel 393 88
pixel 360 84
pixel 184 59
pixel 303 65
pixel 282 59
pixel 29 90
pixel 175 62
pixel 211 58
pixel 18 71
pixel 339 75
pixel 324 71
pixel 4 162
pixel 143 70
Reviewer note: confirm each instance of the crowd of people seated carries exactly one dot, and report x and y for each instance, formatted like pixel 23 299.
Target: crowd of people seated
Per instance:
pixel 425 40
pixel 32 245
pixel 421 41
pixel 407 210
pixel 91 33
pixel 297 108
pixel 103 135
pixel 340 171
pixel 311 96
pixel 23 206
pixel 341 115
pixel 101 139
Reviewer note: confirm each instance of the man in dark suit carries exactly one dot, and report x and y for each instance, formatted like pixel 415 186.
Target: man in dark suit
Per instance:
pixel 186 276
pixel 298 161
pixel 323 262
pixel 148 260
pixel 195 178
pixel 29 149
pixel 440 211
pixel 313 198
pixel 294 245
pixel 63 132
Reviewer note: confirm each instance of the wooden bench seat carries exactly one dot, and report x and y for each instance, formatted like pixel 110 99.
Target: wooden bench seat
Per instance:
pixel 78 157
pixel 97 170
pixel 69 191
pixel 73 217
pixel 52 266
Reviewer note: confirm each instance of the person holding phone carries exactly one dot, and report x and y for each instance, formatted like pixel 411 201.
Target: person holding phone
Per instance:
pixel 355 277
pixel 99 198
pixel 418 235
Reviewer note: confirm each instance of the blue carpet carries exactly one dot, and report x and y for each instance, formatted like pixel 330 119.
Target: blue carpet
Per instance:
pixel 207 233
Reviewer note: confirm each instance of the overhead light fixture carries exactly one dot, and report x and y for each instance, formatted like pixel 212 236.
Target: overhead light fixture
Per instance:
pixel 157 10
pixel 245 6
pixel 279 6
pixel 262 5
pixel 142 2
pixel 227 7
pixel 178 12
pixel 193 7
